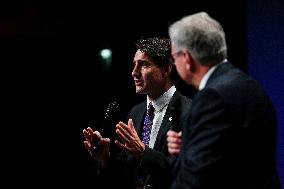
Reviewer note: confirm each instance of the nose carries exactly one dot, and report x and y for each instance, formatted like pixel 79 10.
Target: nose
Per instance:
pixel 136 71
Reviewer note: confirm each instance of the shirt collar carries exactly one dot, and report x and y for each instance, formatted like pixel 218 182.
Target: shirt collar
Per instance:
pixel 163 100
pixel 208 74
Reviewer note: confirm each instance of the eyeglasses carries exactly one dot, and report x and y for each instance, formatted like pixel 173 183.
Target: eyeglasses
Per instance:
pixel 175 55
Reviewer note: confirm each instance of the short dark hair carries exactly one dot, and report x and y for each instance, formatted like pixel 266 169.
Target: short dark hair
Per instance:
pixel 158 49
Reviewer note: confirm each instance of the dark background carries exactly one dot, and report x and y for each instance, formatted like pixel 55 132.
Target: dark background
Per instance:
pixel 55 84
pixel 265 59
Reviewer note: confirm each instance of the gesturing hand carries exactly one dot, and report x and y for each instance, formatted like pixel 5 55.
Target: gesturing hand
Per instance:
pixel 130 139
pixel 93 139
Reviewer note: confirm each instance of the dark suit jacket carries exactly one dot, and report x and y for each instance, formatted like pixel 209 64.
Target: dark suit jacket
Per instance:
pixel 229 139
pixel 156 163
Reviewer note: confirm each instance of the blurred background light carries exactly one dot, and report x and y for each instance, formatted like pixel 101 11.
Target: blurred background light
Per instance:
pixel 106 59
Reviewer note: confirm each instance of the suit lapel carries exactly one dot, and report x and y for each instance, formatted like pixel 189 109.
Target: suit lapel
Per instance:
pixel 166 123
pixel 139 118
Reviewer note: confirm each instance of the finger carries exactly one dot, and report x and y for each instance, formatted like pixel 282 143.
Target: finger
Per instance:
pixel 124 132
pixel 172 133
pixel 133 132
pixel 87 145
pixel 86 134
pixel 173 146
pixel 120 145
pixel 88 137
pixel 97 135
pixel 173 151
pixel 90 131
pixel 125 127
pixel 131 126
pixel 174 140
pixel 121 135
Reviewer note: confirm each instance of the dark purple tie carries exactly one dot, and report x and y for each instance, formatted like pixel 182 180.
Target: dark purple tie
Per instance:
pixel 148 121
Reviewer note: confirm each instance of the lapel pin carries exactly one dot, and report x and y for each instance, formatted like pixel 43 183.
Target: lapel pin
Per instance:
pixel 170 118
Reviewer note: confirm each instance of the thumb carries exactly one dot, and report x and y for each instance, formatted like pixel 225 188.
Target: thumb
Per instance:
pixel 130 123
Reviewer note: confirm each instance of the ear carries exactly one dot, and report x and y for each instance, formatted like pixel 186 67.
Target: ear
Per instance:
pixel 168 69
pixel 189 61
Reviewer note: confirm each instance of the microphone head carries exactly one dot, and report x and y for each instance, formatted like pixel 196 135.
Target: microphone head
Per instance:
pixel 111 119
pixel 111 109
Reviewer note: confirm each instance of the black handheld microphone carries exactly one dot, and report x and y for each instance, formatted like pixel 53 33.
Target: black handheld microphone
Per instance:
pixel 110 119
pixel 108 126
pixel 175 111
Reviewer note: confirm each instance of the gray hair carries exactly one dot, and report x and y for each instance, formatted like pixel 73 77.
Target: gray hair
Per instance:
pixel 200 35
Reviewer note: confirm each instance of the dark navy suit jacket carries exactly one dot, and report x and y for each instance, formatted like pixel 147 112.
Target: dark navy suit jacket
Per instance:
pixel 230 135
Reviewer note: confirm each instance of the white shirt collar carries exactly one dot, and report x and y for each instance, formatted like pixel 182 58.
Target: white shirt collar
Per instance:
pixel 207 75
pixel 162 100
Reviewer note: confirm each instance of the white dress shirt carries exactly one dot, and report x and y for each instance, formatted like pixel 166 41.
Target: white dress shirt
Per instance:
pixel 160 105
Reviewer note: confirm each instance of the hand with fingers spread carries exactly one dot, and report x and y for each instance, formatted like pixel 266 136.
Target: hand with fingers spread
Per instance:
pixel 97 146
pixel 131 142
pixel 174 142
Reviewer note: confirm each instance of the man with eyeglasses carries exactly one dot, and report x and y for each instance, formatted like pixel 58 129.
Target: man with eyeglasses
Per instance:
pixel 229 139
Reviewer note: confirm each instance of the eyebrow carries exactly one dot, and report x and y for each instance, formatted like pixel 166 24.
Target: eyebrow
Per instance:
pixel 141 61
